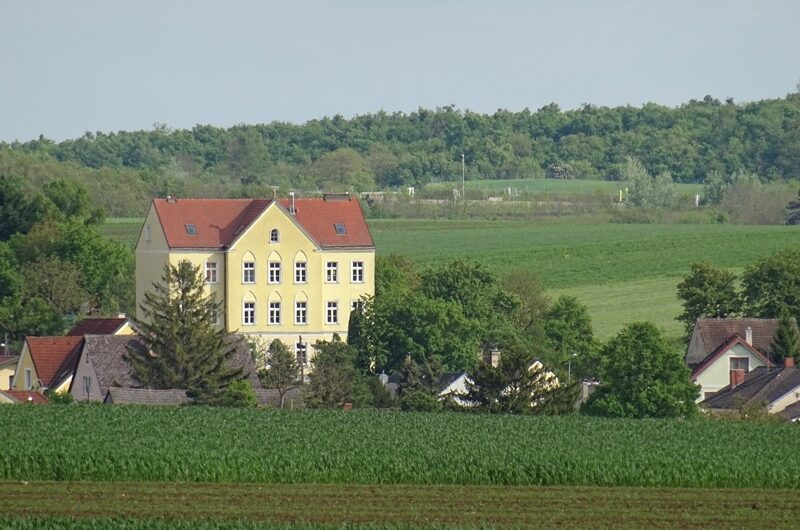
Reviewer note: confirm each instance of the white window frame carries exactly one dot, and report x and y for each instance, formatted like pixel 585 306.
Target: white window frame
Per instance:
pixel 301 310
pixel 300 272
pixel 211 272
pixel 274 236
pixel 331 272
pixel 28 379
pixel 274 272
pixel 357 271
pixel 87 384
pixel 249 267
pixel 251 311
pixel 356 305
pixel 332 312
pixel 739 359
pixel 274 318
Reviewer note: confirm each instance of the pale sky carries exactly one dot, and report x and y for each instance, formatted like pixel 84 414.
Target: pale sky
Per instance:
pixel 67 67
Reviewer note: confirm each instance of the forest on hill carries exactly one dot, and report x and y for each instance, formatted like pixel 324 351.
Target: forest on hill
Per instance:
pixel 123 170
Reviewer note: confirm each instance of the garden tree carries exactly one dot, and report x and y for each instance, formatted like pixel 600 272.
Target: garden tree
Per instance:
pixel 527 286
pixel 478 293
pixel 642 377
pixel 237 394
pixel 786 341
pixel 357 339
pixel 182 346
pixel 21 316
pixel 19 211
pixel 793 211
pixel 419 389
pixel 708 291
pixel 772 283
pixel 335 380
pixel 519 385
pixel 395 272
pixel 282 371
pixel 57 282
pixel 569 338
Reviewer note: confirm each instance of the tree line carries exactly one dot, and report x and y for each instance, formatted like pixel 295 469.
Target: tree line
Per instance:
pixel 394 150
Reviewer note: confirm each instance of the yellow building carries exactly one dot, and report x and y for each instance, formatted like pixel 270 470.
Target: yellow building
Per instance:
pixel 47 363
pixel 8 365
pixel 292 270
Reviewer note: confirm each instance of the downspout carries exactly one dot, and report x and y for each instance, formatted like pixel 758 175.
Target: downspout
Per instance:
pixel 225 294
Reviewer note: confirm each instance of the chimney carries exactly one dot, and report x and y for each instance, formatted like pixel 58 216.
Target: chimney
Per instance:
pixel 748 335
pixel 292 209
pixel 492 357
pixel 789 362
pixel 737 377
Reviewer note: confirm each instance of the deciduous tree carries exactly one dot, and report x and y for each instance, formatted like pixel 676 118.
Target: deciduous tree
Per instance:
pixel 282 371
pixel 708 291
pixel 642 377
pixel 773 283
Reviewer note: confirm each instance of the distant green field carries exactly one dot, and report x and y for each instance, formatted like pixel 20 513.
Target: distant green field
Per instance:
pixel 623 272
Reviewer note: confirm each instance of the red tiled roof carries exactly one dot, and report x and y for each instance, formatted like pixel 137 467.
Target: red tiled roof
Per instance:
pixel 713 356
pixel 53 357
pixel 97 326
pixel 219 221
pixel 8 359
pixel 26 396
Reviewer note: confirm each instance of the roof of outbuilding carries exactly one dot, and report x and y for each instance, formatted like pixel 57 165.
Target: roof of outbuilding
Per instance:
pixel 218 222
pixel 26 396
pixel 8 359
pixel 145 396
pixel 54 357
pixel 97 326
pixel 712 332
pixel 761 384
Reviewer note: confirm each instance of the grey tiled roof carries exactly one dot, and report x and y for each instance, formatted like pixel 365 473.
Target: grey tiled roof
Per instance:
pixel 108 355
pixel 145 396
pixel 760 385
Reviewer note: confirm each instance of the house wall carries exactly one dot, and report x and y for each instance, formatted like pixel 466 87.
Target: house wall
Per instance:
pixel 85 368
pixel 150 257
pixel 790 398
pixel 25 362
pixel 717 375
pixel 63 388
pixel 293 245
pixel 6 374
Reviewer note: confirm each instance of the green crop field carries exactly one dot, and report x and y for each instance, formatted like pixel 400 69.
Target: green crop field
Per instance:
pixel 195 444
pixel 622 272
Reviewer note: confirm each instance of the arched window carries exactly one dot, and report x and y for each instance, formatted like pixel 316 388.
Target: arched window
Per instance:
pixel 274 236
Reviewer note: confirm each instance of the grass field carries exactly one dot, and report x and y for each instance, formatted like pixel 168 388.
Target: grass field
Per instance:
pixel 306 507
pixel 196 444
pixel 622 272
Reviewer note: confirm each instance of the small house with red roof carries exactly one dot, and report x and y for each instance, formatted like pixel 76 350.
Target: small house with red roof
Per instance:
pixel 47 363
pixel 8 364
pixel 291 269
pixel 119 325
pixel 723 351
pixel 22 396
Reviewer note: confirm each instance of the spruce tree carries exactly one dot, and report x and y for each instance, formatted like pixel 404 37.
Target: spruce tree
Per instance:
pixel 182 346
pixel 786 342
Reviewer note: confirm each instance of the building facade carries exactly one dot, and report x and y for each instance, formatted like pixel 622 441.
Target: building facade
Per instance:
pixel 287 269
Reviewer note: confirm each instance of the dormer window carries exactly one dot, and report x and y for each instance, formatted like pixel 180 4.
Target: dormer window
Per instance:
pixel 191 229
pixel 340 228
pixel 274 236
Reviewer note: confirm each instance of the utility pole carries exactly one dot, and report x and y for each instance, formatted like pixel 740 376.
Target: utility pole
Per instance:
pixel 463 173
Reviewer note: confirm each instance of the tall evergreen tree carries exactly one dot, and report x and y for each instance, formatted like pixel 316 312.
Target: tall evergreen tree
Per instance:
pixel 786 342
pixel 183 347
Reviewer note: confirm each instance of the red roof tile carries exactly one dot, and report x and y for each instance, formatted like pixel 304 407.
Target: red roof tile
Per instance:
pixel 26 396
pixel 54 357
pixel 97 326
pixel 219 221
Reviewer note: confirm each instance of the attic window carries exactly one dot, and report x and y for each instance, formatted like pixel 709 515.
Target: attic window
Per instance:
pixel 340 229
pixel 191 229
